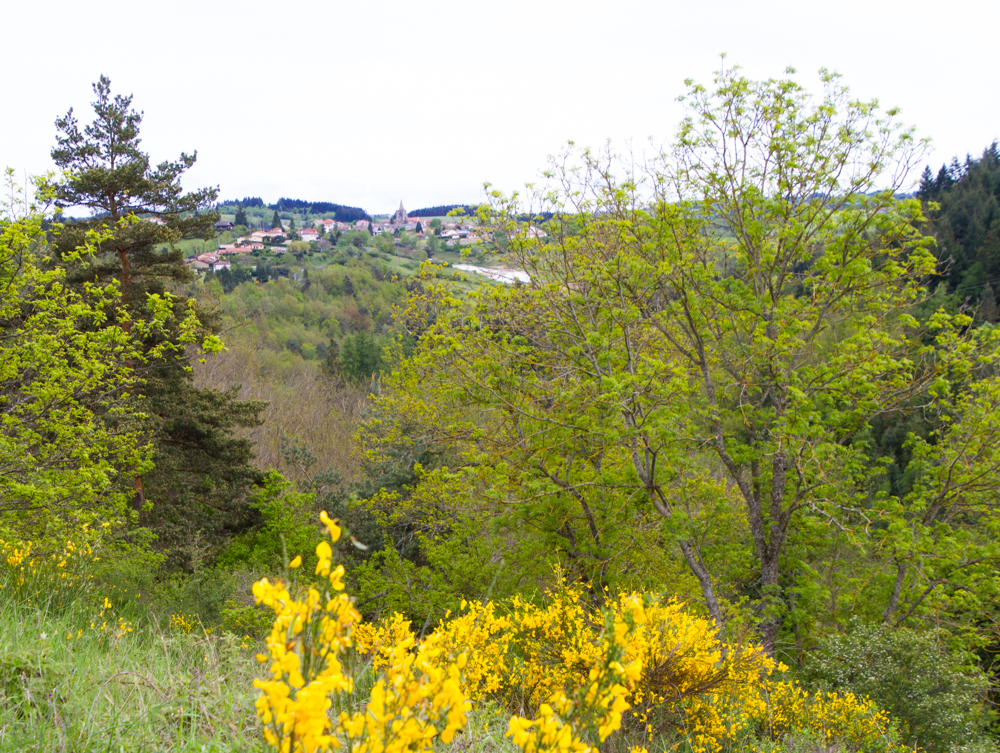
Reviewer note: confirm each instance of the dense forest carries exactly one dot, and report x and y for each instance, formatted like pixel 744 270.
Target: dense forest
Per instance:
pixel 335 211
pixel 443 210
pixel 964 219
pixel 720 476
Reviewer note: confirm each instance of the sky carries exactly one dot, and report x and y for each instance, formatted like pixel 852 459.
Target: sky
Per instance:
pixel 372 103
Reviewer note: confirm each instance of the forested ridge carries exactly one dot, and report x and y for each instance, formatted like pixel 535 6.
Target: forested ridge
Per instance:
pixel 720 476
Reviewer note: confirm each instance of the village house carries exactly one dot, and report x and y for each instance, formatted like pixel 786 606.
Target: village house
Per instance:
pixel 529 232
pixel 235 249
pixel 251 245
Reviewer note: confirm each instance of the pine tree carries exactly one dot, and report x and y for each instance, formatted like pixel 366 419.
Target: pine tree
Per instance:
pixel 360 357
pixel 943 180
pixel 331 362
pixel 203 473
pixel 276 220
pixel 106 172
pixel 241 216
pixel 928 188
pixel 988 307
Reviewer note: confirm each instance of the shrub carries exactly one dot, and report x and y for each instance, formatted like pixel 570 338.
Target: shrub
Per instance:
pixel 690 687
pixel 573 671
pixel 910 675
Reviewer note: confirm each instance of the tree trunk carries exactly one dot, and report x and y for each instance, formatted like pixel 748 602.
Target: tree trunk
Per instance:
pixel 126 288
pixel 698 568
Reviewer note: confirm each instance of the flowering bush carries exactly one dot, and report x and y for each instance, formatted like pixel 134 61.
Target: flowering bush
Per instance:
pixel 691 685
pixel 418 701
pixel 571 673
pixel 51 571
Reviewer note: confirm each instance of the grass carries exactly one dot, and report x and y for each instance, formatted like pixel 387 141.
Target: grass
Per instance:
pixel 73 683
pixel 70 684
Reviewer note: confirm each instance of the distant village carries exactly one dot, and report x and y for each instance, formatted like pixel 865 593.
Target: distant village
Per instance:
pixel 276 240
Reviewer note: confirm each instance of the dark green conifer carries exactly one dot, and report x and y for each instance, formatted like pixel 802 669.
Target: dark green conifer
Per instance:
pixel 360 357
pixel 331 362
pixel 203 473
pixel 988 307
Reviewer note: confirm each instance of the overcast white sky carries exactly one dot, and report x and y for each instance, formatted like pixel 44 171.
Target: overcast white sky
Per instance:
pixel 369 103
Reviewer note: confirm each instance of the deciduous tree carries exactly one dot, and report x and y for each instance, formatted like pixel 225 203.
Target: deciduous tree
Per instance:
pixel 703 344
pixel 68 357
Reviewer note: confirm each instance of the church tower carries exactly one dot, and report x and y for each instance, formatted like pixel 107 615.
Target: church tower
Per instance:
pixel 400 218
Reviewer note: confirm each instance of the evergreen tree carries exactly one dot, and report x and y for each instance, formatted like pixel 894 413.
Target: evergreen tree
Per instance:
pixel 276 220
pixel 348 286
pixel 420 229
pixel 966 222
pixel 331 362
pixel 360 357
pixel 203 475
pixel 241 216
pixel 988 306
pixel 928 187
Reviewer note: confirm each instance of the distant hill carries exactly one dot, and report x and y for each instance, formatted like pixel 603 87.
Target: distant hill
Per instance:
pixel 246 202
pixel 340 212
pixel 441 211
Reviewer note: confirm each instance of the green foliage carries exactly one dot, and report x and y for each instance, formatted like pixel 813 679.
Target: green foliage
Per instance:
pixel 340 313
pixel 204 478
pixel 68 358
pixel 360 357
pixel 964 219
pixel 689 375
pixel 913 677
pixel 202 472
pixel 289 526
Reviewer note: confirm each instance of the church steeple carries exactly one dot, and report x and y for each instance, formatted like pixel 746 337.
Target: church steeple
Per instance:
pixel 401 218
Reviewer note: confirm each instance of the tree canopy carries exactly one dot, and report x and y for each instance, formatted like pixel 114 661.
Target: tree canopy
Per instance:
pixel 69 360
pixel 202 474
pixel 694 369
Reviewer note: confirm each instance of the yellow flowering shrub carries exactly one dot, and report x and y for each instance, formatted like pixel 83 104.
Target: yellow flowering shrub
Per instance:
pixel 380 640
pixel 30 570
pixel 578 717
pixel 183 623
pixel 418 700
pixel 573 674
pixel 691 685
